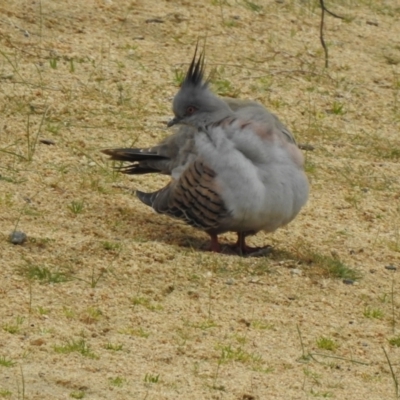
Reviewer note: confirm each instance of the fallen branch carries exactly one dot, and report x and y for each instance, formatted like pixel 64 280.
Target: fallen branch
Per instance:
pixel 321 29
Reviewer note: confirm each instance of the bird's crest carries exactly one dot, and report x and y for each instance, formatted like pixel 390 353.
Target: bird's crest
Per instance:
pixel 195 74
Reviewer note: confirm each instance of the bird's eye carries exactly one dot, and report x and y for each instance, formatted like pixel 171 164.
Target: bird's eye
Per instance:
pixel 190 110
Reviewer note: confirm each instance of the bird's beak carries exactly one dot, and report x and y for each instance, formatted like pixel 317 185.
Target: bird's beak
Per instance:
pixel 173 121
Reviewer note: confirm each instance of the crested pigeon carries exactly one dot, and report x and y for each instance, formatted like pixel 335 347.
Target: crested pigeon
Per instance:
pixel 233 165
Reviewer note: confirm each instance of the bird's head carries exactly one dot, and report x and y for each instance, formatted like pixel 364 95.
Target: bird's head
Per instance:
pixel 195 104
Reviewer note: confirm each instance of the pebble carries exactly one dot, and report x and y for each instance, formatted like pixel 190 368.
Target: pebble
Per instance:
pixel 348 281
pixel 48 142
pixel 230 281
pixel 306 146
pixel 18 237
pixel 154 20
pixel 391 267
pixel 38 342
pixel 296 271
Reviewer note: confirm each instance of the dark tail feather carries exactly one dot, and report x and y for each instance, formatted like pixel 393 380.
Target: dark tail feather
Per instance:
pixel 147 198
pixel 136 169
pixel 144 160
pixel 132 154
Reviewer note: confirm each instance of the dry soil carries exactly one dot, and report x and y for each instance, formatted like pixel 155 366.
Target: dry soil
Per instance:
pixel 106 299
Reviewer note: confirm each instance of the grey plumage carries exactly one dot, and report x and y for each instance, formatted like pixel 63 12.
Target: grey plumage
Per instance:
pixel 233 165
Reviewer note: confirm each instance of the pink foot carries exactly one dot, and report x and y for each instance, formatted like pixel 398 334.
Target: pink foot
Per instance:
pixel 215 246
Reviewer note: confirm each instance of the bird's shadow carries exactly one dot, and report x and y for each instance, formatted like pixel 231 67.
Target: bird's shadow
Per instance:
pixel 149 227
pixel 176 234
pixel 146 227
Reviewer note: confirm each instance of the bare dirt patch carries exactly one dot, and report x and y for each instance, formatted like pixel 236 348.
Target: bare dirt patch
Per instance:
pixel 105 299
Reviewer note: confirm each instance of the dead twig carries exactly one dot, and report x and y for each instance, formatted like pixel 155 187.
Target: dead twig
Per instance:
pixel 321 29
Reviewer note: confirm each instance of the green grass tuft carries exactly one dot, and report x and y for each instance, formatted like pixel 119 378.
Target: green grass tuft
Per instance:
pixel 395 341
pixel 79 394
pixel 78 346
pixel 333 267
pixel 150 378
pixel 373 313
pixel 43 274
pixel 5 362
pixel 113 347
pixel 76 207
pixel 117 381
pixel 326 343
pixel 5 393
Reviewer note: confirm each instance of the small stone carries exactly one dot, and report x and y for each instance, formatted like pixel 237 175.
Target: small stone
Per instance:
pixel 193 295
pixel 38 342
pixel 169 289
pixel 348 281
pixel 230 281
pixel 296 271
pixel 391 267
pixel 245 322
pixel 18 237
pixel 154 21
pixel 48 142
pixel 306 146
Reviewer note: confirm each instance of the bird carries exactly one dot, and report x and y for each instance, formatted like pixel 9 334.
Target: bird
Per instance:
pixel 234 166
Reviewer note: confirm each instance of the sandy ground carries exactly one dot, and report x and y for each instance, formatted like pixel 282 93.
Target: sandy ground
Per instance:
pixel 107 300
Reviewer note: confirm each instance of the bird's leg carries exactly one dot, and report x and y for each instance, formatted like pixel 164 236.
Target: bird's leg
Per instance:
pixel 215 246
pixel 241 243
pixel 244 249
